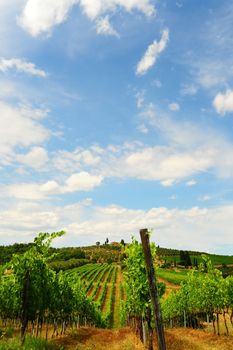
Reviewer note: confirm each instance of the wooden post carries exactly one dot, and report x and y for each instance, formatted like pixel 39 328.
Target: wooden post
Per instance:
pixel 153 288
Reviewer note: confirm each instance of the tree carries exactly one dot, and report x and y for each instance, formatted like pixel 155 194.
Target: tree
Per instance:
pixel 185 259
pixel 122 242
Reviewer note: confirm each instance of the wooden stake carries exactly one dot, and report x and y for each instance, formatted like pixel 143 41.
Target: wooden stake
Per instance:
pixel 153 288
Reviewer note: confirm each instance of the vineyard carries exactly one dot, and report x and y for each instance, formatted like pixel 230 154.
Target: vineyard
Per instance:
pixel 103 285
pixel 39 302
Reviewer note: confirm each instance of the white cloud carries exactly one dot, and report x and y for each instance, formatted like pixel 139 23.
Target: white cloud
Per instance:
pixel 103 26
pixel 191 183
pixel 22 221
pixel 7 89
pixel 165 164
pixel 50 187
pixel 223 103
pixel 20 126
pixel 86 223
pixel 152 53
pixel 183 150
pixel 174 107
pixel 28 191
pixel 21 66
pixel 100 7
pixel 40 17
pixel 77 182
pixel 82 182
pixel 79 159
pixel 167 183
pixel 36 158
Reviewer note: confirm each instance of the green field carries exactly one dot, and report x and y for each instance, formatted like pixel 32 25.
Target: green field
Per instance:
pixel 172 276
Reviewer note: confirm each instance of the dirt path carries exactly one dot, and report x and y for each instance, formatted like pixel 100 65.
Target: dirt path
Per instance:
pixel 124 339
pixel 101 339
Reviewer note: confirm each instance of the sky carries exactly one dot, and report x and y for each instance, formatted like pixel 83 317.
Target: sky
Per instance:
pixel 116 116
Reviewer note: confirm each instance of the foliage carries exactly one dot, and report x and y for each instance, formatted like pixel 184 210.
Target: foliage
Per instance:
pixel 205 291
pixel 33 291
pixel 136 284
pixel 30 344
pixel 63 265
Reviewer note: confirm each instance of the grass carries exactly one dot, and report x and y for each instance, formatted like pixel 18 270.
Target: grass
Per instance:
pixel 100 339
pixel 30 344
pixel 172 276
pixel 125 339
pixel 189 339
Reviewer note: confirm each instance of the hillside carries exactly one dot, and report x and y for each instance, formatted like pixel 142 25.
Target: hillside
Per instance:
pixel 67 257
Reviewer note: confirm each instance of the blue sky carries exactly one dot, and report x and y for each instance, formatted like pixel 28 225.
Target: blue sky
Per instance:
pixel 114 116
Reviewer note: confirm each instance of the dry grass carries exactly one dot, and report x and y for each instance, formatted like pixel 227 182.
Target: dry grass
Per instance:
pixel 124 339
pixel 99 339
pixel 189 339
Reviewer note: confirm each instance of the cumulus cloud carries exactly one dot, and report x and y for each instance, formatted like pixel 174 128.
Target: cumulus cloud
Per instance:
pixel 21 66
pixel 223 102
pixel 40 17
pixel 82 181
pixel 36 158
pixel 164 164
pixel 183 151
pixel 96 9
pixel 77 182
pixel 86 223
pixel 25 128
pixel 152 53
